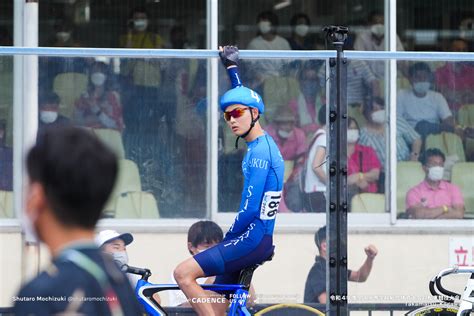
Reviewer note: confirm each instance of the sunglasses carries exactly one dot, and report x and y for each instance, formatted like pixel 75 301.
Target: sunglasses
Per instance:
pixel 235 113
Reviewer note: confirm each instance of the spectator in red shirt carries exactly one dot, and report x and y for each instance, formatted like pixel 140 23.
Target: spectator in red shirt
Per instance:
pixel 362 163
pixel 456 78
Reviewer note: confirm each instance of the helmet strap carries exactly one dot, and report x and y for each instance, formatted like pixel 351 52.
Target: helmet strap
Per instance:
pixel 252 124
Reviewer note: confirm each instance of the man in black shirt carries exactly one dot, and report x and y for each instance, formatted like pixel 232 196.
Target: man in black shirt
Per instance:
pixel 71 175
pixel 315 287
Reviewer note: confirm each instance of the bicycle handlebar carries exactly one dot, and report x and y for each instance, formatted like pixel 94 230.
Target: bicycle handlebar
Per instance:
pixel 436 288
pixel 145 273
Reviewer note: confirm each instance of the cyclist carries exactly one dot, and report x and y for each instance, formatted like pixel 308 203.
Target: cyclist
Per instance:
pixel 249 239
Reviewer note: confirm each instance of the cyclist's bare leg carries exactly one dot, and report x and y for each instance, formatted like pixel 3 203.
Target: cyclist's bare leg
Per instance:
pixel 221 307
pixel 185 275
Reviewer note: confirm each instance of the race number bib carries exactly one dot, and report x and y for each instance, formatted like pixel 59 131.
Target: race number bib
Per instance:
pixel 270 204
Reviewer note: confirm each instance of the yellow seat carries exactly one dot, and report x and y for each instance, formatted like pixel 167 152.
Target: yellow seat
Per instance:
pixel 69 86
pixel 128 178
pixel 136 205
pixel 409 174
pixel 111 138
pixel 368 203
pixel 278 91
pixel 289 164
pixel 466 119
pixel 449 143
pixel 463 176
pixel 6 204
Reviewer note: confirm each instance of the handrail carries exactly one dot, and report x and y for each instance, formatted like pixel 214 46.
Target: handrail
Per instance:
pixel 245 54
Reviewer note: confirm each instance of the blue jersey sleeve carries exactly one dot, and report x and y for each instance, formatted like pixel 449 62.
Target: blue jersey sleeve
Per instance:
pixel 234 77
pixel 252 195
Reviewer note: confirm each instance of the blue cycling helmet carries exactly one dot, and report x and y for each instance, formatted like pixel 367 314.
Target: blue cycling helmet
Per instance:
pixel 244 96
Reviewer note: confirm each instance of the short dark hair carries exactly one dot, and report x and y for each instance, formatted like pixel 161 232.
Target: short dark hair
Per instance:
pixel 322 115
pixel 373 14
pixel 351 120
pixel 77 172
pixel 320 236
pixel 204 232
pixel 419 66
pixel 431 152
pixel 138 9
pixel 268 15
pixel 48 97
pixel 297 16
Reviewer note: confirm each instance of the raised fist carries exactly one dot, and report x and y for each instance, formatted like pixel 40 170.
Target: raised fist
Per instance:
pixel 229 55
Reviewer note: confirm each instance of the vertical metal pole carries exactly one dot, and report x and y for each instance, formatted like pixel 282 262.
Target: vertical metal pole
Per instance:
pixel 213 110
pixel 338 206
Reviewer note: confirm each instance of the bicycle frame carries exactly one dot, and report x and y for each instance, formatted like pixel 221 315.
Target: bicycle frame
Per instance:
pixel 145 290
pixel 467 299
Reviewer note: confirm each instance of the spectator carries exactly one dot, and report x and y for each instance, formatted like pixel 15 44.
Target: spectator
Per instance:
pixel 315 287
pixel 434 197
pixel 142 78
pixel 311 97
pixel 315 169
pixel 99 106
pixel 373 135
pixel 267 39
pixel 6 160
pixel 299 40
pixel 64 35
pixel 424 109
pixel 49 112
pixel 361 84
pixel 362 163
pixel 202 235
pixel 64 203
pixel 291 141
pixel 455 79
pixel 373 39
pixel 178 38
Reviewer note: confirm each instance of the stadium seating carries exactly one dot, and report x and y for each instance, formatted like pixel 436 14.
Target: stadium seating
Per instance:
pixel 112 138
pixel 368 203
pixel 69 86
pixel 409 174
pixel 463 176
pixel 136 205
pixel 6 204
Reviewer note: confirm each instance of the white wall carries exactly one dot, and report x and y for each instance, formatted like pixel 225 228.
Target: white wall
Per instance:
pixel 405 264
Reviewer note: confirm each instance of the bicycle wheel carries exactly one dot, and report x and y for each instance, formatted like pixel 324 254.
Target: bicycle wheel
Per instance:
pixel 435 310
pixel 289 309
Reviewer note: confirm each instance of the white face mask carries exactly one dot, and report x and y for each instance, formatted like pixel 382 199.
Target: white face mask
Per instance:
pixel 98 78
pixel 48 117
pixel 63 36
pixel 28 228
pixel 378 116
pixel 352 136
pixel 435 173
pixel 301 29
pixel 140 24
pixel 264 27
pixel 378 30
pixel 421 87
pixel 121 257
pixel 284 134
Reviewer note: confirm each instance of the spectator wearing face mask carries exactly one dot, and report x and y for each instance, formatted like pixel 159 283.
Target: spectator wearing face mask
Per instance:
pixel 373 135
pixel 267 39
pixel 373 39
pixel 49 112
pixel 138 34
pixel 434 198
pixel 424 109
pixel 299 40
pixel 99 106
pixel 290 139
pixel 362 163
